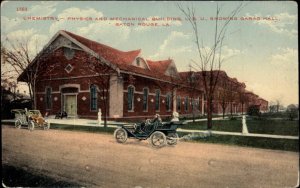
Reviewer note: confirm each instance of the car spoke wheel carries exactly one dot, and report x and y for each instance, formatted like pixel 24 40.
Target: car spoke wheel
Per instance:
pixel 31 125
pixel 46 125
pixel 120 135
pixel 172 138
pixel 158 139
pixel 18 124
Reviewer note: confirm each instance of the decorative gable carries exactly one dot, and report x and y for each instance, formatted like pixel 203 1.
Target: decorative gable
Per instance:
pixel 62 41
pixel 172 70
pixel 141 63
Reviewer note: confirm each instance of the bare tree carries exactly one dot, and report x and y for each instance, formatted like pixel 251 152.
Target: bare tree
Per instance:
pixel 243 99
pixel 232 95
pixel 278 104
pixel 224 95
pixel 209 60
pixel 102 79
pixel 192 80
pixel 17 55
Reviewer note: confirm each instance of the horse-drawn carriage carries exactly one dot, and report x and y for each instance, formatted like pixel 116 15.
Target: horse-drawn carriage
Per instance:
pixel 158 133
pixel 31 118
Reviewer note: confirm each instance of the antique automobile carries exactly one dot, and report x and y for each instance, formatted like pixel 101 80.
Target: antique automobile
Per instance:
pixel 158 133
pixel 31 118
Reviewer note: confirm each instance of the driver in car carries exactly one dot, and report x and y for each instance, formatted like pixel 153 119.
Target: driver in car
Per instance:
pixel 149 122
pixel 156 118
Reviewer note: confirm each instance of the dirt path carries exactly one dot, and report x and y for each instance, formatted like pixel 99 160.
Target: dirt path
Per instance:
pixel 97 160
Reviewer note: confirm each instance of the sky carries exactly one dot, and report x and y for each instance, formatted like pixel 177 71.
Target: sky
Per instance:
pixel 261 53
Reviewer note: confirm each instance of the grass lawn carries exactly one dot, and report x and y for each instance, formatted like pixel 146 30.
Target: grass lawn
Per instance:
pixel 218 125
pixel 257 142
pixel 254 126
pixel 277 127
pixel 260 126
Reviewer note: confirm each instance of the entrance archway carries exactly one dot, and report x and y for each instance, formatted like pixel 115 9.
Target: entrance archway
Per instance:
pixel 69 100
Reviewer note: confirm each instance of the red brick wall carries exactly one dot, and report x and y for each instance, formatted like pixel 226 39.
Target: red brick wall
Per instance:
pixel 140 83
pixel 54 75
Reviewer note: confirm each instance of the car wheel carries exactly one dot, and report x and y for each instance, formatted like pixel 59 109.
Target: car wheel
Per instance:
pixel 18 124
pixel 158 139
pixel 172 138
pixel 31 125
pixel 120 135
pixel 46 125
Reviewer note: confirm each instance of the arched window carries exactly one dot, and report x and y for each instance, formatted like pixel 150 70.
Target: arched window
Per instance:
pixel 138 63
pixel 186 104
pixel 48 98
pixel 145 99
pixel 168 102
pixel 178 103
pixel 195 103
pixel 157 100
pixel 94 96
pixel 130 98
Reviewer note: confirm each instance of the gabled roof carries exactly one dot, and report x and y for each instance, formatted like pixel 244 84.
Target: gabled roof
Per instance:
pixel 123 60
pixel 112 55
pixel 117 59
pixel 159 66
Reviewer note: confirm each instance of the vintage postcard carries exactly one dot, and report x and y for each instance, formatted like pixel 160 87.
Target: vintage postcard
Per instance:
pixel 149 94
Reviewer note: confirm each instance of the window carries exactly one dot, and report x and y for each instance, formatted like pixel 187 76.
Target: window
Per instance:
pixel 168 102
pixel 157 99
pixel 178 103
pixel 69 68
pixel 48 98
pixel 69 53
pixel 145 99
pixel 93 95
pixel 130 98
pixel 186 104
pixel 138 63
pixel 194 102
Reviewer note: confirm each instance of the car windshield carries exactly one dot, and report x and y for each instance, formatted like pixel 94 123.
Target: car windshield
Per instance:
pixel 35 112
pixel 18 111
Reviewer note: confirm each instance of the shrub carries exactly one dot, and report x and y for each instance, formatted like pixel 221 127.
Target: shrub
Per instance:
pixel 253 111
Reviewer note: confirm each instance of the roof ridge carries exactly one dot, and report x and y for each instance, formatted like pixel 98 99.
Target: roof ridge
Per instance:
pixel 98 43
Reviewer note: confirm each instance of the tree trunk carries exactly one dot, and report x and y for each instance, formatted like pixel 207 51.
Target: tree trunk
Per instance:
pixel 193 116
pixel 34 96
pixel 105 110
pixel 223 113
pixel 242 108
pixel 31 95
pixel 209 114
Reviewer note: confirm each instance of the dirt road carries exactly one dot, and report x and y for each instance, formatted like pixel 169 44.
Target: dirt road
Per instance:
pixel 97 160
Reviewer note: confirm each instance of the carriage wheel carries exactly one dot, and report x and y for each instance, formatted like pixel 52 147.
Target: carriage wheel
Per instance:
pixel 46 125
pixel 121 135
pixel 172 138
pixel 158 139
pixel 18 124
pixel 31 125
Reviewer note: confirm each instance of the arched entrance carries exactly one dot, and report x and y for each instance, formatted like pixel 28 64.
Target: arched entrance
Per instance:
pixel 69 99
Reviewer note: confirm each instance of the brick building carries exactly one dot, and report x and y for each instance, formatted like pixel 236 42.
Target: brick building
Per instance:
pixel 80 76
